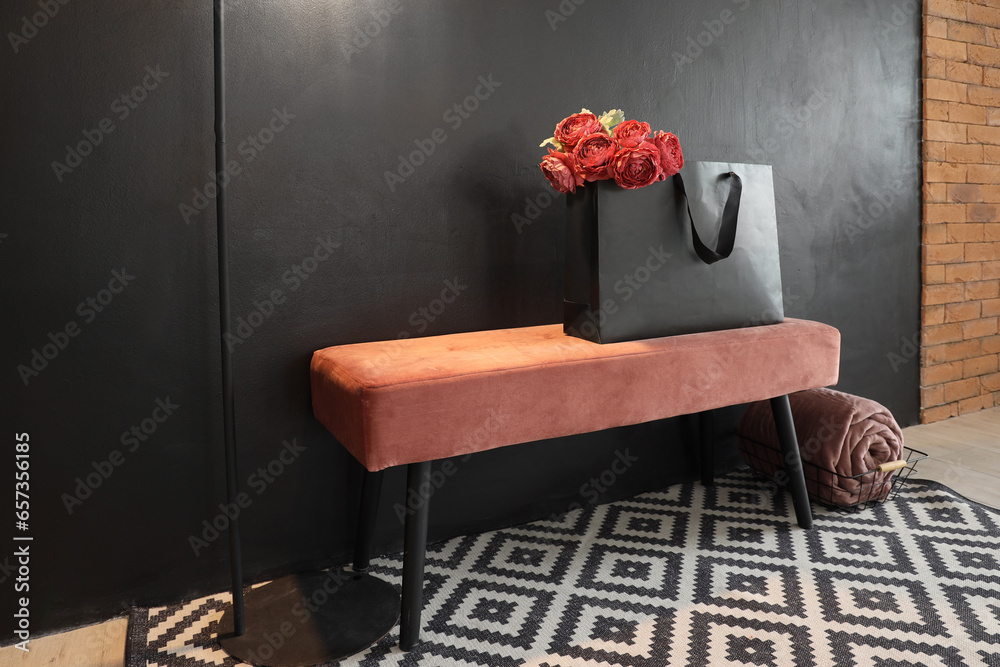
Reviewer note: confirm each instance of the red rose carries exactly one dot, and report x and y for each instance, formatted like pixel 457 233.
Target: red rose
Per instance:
pixel 562 171
pixel 570 130
pixel 631 133
pixel 593 156
pixel 671 157
pixel 637 167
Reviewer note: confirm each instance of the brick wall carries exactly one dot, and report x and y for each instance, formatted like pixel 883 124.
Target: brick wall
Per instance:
pixel 961 232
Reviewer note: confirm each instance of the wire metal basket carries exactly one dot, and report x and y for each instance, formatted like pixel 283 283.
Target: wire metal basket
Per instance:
pixel 829 488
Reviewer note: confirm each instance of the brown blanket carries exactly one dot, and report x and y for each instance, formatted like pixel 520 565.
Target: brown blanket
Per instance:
pixel 840 437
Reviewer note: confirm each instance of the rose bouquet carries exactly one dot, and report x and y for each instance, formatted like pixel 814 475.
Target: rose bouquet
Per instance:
pixel 591 148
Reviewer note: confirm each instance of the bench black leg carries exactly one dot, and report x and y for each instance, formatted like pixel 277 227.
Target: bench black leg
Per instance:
pixel 793 463
pixel 706 448
pixel 414 547
pixel 371 490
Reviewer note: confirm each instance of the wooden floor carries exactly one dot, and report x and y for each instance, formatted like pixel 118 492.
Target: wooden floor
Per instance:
pixel 965 456
pixel 101 645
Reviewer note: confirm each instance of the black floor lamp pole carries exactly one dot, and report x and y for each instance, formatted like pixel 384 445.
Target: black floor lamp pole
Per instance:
pixel 222 235
pixel 359 609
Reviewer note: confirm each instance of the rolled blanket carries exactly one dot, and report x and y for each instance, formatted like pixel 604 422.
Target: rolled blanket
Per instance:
pixel 840 438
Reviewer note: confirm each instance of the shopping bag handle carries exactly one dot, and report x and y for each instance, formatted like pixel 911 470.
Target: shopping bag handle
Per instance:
pixel 727 231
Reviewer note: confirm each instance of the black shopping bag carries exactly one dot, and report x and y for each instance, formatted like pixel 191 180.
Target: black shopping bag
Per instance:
pixel 697 252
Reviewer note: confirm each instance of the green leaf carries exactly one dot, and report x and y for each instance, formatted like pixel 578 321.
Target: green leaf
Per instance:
pixel 552 140
pixel 609 119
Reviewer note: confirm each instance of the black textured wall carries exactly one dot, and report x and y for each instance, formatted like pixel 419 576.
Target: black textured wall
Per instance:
pixel 107 251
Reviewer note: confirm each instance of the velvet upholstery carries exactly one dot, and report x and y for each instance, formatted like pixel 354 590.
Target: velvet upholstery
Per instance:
pixel 404 401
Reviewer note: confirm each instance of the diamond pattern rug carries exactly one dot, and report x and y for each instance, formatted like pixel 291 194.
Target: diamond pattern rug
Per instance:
pixel 688 576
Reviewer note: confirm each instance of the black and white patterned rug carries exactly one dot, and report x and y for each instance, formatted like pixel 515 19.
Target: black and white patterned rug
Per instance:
pixel 687 576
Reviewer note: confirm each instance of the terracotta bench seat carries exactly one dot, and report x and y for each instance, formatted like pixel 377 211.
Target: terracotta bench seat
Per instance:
pixel 413 401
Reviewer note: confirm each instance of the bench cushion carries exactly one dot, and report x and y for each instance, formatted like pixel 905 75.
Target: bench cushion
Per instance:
pixel 403 401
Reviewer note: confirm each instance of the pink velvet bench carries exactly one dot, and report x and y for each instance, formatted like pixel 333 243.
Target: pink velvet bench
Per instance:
pixel 414 401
